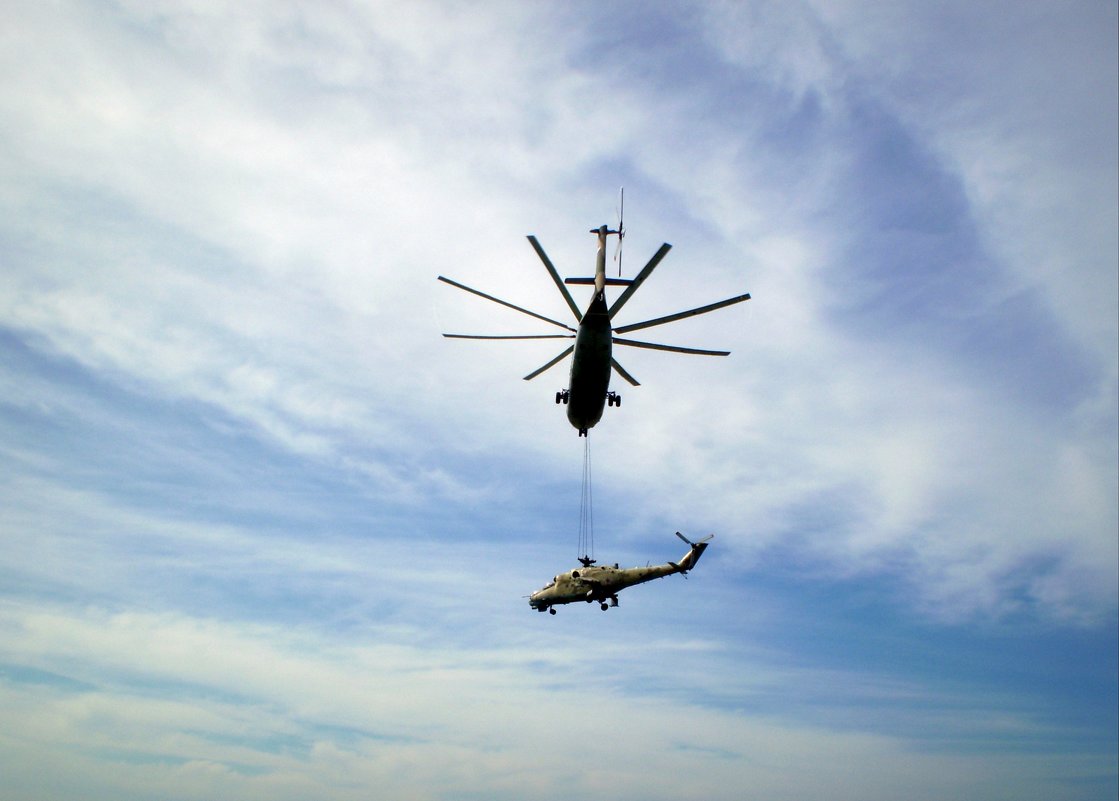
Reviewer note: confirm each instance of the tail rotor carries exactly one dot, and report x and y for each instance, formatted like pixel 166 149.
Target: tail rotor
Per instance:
pixel 695 550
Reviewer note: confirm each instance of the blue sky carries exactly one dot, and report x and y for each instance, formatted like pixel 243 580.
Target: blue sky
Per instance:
pixel 267 534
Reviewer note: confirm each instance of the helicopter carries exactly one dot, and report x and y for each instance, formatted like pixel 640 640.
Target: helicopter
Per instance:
pixel 601 583
pixel 588 390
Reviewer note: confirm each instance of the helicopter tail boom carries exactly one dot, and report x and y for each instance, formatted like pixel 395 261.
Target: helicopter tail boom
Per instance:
pixel 695 550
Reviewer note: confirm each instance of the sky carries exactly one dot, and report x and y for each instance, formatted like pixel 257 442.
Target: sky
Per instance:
pixel 267 534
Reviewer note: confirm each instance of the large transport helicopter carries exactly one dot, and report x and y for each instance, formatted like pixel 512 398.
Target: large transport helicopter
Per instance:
pixel 588 390
pixel 602 583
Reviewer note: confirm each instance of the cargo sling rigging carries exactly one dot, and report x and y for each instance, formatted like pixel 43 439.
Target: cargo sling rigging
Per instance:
pixel 586 517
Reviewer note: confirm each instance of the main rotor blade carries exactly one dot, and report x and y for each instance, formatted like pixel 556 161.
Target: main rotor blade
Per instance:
pixel 641 276
pixel 555 277
pixel 509 336
pixel 621 371
pixel 674 348
pixel 505 303
pixel 681 315
pixel 535 373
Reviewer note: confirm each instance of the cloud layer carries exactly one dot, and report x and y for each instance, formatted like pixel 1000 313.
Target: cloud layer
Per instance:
pixel 266 531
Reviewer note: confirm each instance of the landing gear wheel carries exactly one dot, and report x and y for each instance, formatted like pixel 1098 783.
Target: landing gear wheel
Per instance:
pixel 603 606
pixel 559 397
pixel 551 611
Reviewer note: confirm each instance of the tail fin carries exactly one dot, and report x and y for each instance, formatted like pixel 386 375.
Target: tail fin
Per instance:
pixel 695 551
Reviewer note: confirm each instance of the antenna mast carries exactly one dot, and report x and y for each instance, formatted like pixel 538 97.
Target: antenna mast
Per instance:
pixel 621 228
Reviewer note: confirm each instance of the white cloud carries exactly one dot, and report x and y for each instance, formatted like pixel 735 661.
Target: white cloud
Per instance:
pixel 1022 108
pixel 261 709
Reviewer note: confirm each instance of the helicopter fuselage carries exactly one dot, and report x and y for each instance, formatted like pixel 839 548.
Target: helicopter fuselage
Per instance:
pixel 589 381
pixel 602 583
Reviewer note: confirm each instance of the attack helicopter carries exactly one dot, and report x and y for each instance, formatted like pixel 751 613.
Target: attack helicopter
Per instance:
pixel 601 583
pixel 588 390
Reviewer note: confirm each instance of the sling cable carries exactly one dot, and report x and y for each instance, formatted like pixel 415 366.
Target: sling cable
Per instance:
pixel 586 515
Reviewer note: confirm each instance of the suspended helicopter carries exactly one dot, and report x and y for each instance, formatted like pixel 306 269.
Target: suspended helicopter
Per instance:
pixel 602 583
pixel 588 390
